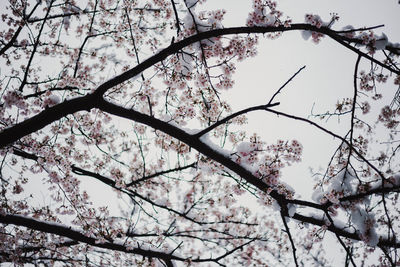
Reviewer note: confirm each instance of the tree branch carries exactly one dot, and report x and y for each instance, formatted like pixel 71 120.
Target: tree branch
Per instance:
pixel 283 86
pixel 17 32
pixel 61 230
pixel 68 232
pixel 290 239
pixel 44 118
pixel 203 148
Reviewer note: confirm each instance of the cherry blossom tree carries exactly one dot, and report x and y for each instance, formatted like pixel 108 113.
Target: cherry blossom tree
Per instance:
pixel 130 97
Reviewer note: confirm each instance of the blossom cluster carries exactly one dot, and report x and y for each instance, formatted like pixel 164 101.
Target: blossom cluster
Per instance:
pixel 260 16
pixel 14 98
pixel 389 117
pixel 266 161
pixel 367 80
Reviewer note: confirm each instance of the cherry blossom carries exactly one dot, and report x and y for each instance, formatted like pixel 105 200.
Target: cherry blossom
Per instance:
pixel 119 144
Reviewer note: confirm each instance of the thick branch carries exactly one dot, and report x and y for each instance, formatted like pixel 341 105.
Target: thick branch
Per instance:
pixel 185 138
pixel 203 148
pixel 68 232
pixel 44 118
pixel 61 230
pixel 206 150
pixel 50 117
pixel 175 47
pixel 341 232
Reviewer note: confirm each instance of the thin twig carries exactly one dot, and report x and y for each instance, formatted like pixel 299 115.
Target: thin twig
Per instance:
pixel 290 238
pixel 288 81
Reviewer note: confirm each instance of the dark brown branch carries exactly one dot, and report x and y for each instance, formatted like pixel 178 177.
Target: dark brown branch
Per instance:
pixel 177 22
pixel 19 130
pixel 206 150
pixel 341 232
pixel 353 109
pixel 108 181
pixel 14 133
pixel 58 245
pixel 340 40
pixel 392 49
pixel 233 250
pixel 203 148
pixel 290 239
pixel 24 154
pixel 175 47
pixel 183 137
pixel 380 190
pixel 105 180
pixel 34 48
pixel 133 39
pixel 70 233
pixel 362 29
pixel 12 40
pixel 34 260
pixel 65 88
pixel 17 32
pixel 283 86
